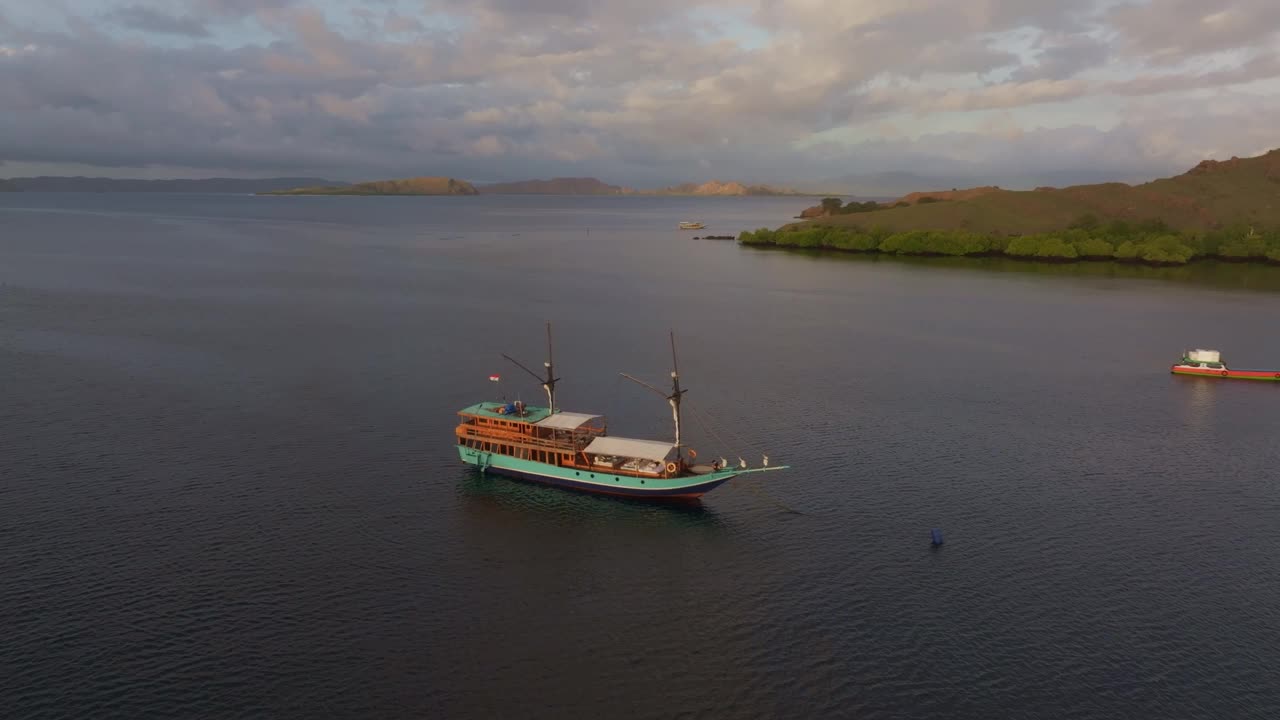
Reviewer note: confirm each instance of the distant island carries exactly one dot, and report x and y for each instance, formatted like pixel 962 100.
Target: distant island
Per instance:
pixel 593 186
pixel 554 186
pixel 1228 210
pixel 59 183
pixel 715 187
pixel 406 186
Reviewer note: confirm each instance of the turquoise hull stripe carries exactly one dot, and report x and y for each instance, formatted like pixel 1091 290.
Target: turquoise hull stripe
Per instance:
pixel 598 481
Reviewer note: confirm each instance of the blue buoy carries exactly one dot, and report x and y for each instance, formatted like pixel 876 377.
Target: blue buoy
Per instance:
pixel 936 534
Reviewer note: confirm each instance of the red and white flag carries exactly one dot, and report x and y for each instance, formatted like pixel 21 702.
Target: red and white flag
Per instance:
pixel 494 378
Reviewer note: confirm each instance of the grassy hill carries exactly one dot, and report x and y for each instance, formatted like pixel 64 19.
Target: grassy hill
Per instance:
pixel 1225 210
pixel 1211 195
pixel 407 186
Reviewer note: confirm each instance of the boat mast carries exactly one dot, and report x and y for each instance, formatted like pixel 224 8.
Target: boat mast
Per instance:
pixel 548 383
pixel 676 392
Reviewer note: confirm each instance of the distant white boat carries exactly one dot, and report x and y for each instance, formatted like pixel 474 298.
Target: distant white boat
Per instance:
pixel 691 226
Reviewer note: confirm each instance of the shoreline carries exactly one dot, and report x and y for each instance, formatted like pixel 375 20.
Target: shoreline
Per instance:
pixel 1029 259
pixel 1152 244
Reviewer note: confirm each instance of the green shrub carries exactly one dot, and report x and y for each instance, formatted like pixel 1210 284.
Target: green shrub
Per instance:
pixel 1055 248
pixel 1165 249
pixel 1134 243
pixel 1092 247
pixel 1023 246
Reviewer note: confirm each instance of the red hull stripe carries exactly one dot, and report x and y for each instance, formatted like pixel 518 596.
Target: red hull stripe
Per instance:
pixel 1228 374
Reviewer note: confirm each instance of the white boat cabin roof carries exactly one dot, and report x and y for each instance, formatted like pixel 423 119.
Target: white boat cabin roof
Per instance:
pixel 630 448
pixel 566 420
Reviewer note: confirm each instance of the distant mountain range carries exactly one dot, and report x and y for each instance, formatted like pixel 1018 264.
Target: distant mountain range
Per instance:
pixel 593 186
pixel 409 186
pixel 53 183
pixel 888 185
pixel 406 186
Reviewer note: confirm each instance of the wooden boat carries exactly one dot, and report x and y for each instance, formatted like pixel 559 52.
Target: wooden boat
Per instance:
pixel 691 225
pixel 574 450
pixel 1208 363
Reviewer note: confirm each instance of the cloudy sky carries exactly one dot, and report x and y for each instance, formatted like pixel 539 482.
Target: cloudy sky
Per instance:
pixel 639 92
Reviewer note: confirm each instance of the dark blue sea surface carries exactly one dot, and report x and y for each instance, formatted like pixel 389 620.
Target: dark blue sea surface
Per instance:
pixel 229 488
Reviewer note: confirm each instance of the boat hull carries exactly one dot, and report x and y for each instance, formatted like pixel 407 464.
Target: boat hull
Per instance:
pixel 685 488
pixel 1225 374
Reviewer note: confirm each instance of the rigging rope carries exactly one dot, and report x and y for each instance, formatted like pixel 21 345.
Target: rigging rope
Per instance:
pixel 750 486
pixel 741 441
pixel 613 400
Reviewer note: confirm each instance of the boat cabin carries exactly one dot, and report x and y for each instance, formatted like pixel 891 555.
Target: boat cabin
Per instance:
pixel 1207 359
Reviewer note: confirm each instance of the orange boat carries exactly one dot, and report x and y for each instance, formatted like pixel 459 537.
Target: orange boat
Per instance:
pixel 1208 363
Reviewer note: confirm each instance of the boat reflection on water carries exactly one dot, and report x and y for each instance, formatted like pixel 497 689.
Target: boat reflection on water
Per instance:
pixel 491 497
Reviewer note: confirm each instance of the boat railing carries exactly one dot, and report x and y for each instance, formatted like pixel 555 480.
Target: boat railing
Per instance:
pixel 491 433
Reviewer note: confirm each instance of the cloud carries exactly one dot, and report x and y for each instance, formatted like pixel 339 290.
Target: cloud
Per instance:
pixel 1063 56
pixel 1261 67
pixel 1173 30
pixel 638 93
pixel 141 17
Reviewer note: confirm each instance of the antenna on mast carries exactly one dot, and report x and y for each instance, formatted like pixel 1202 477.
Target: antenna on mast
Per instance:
pixel 549 382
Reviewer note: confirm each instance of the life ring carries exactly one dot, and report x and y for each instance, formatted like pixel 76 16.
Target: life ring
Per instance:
pixel 694 453
pixel 1223 373
pixel 671 467
pixel 1278 376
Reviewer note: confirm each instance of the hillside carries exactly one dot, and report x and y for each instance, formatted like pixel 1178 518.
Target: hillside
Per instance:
pixel 406 186
pixel 59 183
pixel 914 198
pixel 6 186
pixel 1226 211
pixel 1213 194
pixel 554 186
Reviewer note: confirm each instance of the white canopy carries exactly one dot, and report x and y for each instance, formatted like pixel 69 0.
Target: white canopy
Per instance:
pixel 565 420
pixel 629 448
